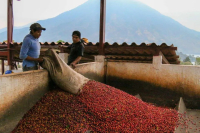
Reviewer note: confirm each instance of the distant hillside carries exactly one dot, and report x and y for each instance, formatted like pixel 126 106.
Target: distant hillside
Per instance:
pixel 3 30
pixel 126 21
pixel 15 28
pixel 183 56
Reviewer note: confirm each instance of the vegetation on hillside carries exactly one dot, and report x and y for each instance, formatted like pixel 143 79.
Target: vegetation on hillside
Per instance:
pixel 186 61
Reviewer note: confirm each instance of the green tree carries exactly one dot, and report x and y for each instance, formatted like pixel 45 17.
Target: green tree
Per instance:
pixel 60 41
pixel 186 61
pixel 197 62
pixel 183 56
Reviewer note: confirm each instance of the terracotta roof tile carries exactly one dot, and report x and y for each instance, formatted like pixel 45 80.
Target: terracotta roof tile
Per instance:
pixel 136 53
pixel 133 44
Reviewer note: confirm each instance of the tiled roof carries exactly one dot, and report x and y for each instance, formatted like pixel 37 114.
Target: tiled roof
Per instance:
pixel 142 53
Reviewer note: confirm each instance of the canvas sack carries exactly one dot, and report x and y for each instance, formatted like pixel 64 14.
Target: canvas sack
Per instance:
pixel 63 75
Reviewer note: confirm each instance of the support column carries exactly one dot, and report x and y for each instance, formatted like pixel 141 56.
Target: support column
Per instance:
pixel 99 58
pixel 157 61
pixel 9 29
pixel 2 66
pixel 102 26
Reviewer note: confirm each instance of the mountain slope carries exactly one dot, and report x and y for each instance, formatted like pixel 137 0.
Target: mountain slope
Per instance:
pixel 126 21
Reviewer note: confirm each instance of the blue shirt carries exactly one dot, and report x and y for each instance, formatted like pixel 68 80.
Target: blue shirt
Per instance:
pixel 30 47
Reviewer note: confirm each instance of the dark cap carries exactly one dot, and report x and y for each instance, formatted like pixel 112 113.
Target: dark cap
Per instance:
pixel 77 33
pixel 36 26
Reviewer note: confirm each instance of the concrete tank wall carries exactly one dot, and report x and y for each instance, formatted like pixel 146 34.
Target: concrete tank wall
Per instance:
pixel 18 93
pixel 150 78
pixel 94 70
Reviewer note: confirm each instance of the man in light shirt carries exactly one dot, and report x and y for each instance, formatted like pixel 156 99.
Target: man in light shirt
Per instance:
pixel 30 49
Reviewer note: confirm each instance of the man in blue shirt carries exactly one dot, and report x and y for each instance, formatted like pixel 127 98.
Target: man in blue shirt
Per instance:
pixel 30 50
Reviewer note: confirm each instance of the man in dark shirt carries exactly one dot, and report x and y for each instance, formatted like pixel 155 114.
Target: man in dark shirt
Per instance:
pixel 76 49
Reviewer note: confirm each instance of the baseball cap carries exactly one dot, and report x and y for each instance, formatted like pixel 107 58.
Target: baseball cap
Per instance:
pixel 36 26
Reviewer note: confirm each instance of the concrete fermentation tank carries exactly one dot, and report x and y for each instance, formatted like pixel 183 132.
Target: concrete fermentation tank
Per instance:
pixel 157 83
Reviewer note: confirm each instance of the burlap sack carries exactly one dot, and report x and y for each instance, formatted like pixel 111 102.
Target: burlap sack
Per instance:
pixel 63 75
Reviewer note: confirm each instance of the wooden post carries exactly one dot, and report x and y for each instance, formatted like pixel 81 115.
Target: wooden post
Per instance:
pixel 102 26
pixel 2 66
pixel 9 29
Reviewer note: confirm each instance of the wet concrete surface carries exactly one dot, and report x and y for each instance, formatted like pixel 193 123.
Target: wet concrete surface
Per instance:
pixel 193 122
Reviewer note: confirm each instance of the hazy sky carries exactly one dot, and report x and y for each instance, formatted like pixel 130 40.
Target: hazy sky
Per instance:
pixel 186 12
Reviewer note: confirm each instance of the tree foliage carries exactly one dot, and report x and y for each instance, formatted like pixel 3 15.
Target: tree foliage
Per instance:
pixel 182 56
pixel 186 63
pixel 60 41
pixel 197 61
pixel 187 59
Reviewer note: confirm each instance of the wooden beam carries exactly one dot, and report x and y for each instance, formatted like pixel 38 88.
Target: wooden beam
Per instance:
pixel 132 61
pixel 172 56
pixel 175 62
pixel 128 56
pixel 15 59
pixel 4 53
pixel 3 46
pixel 2 66
pixel 164 60
pixel 88 56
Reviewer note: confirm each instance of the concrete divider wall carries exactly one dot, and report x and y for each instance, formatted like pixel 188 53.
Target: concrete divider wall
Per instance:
pixel 94 70
pixel 14 87
pixel 18 93
pixel 183 79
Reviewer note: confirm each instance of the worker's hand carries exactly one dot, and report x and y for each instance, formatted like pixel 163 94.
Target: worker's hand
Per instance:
pixel 73 65
pixel 40 60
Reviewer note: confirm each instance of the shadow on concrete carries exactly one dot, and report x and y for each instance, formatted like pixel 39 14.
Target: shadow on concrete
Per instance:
pixel 152 93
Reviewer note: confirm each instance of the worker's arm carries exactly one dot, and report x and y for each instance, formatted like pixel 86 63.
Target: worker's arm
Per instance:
pixel 34 59
pixel 67 48
pixel 73 64
pixel 80 54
